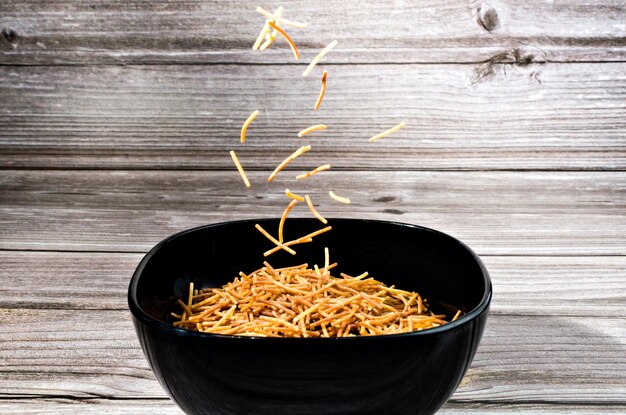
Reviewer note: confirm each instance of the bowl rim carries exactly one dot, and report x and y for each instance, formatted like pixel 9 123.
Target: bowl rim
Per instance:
pixel 162 327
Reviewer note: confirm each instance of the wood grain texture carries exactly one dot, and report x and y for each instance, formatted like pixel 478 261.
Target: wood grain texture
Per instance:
pixel 60 406
pixel 117 116
pixel 95 354
pixel 96 406
pixel 492 116
pixel 461 408
pixel 558 286
pixel 98 280
pixel 497 213
pixel 116 31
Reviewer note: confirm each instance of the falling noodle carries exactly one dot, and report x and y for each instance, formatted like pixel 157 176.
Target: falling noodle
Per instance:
pixel 339 198
pixel 284 217
pixel 314 211
pixel 319 57
pixel 322 91
pixel 293 195
pixel 245 125
pixel 313 172
pixel 240 168
pixel 292 45
pixel 288 160
pixel 387 132
pixel 308 130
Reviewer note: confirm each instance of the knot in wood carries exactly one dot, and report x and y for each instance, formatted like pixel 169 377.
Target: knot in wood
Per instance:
pixel 385 199
pixel 8 37
pixel 488 18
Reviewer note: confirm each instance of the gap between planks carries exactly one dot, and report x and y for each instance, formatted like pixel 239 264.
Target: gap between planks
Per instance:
pixel 154 169
pixel 139 251
pixel 328 64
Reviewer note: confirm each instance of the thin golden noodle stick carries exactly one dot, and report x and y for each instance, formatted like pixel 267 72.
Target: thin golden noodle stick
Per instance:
pixel 317 127
pixel 189 301
pixel 245 125
pixel 457 315
pixel 288 160
pixel 284 217
pixel 314 211
pixel 294 196
pixel 322 91
pixel 360 277
pixel 319 57
pixel 340 199
pixel 326 261
pixel 387 132
pixel 292 45
pixel 313 172
pixel 240 168
pixel 316 233
pixel 259 39
pixel 188 311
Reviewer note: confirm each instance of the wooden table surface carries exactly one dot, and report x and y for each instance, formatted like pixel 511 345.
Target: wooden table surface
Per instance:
pixel 116 118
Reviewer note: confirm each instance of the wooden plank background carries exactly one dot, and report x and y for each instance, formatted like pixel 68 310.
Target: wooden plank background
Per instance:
pixel 506 213
pixel 471 117
pixel 165 31
pixel 117 116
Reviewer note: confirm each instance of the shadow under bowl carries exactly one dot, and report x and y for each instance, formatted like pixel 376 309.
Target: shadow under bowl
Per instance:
pixel 411 373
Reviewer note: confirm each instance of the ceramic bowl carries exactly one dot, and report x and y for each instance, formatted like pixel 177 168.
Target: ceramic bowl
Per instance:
pixel 412 373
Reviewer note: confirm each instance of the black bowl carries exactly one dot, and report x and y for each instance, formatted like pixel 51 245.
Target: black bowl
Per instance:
pixel 412 373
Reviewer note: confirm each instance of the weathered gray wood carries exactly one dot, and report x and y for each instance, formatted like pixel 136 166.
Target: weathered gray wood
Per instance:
pixel 490 116
pixel 481 92
pixel 89 353
pixel 497 213
pixel 94 353
pixel 552 116
pixel 558 286
pixel 62 406
pixel 66 280
pixel 117 31
pixel 462 408
pixel 166 407
pixel 565 286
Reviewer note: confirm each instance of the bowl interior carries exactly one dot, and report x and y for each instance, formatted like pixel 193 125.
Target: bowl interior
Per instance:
pixel 442 269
